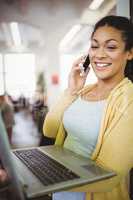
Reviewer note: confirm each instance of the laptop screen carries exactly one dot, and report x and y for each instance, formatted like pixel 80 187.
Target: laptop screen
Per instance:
pixel 5 155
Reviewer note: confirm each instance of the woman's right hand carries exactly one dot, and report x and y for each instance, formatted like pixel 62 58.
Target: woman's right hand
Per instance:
pixel 77 77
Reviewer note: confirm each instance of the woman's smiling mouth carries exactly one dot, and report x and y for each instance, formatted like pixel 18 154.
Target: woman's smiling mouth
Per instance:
pixel 102 66
pixel 98 64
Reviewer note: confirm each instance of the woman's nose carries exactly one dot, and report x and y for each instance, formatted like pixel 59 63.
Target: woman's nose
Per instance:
pixel 100 53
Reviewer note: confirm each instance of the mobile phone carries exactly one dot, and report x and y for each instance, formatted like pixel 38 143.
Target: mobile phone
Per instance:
pixel 86 63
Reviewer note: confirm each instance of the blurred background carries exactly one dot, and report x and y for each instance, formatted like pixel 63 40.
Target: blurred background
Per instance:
pixel 39 40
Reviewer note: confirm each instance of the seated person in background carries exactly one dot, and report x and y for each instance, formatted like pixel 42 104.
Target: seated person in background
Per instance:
pixel 7 112
pixel 39 111
pixel 96 121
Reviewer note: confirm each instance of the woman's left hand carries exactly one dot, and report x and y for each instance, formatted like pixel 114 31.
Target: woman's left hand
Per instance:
pixel 3 176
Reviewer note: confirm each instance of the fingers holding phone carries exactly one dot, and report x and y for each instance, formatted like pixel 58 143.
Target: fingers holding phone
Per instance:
pixel 81 65
pixel 78 74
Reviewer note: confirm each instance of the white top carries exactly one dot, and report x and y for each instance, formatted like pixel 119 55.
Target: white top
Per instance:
pixel 82 122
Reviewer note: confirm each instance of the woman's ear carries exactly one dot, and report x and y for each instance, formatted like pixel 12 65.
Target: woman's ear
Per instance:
pixel 130 54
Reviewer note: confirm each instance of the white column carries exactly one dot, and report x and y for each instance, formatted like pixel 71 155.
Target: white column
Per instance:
pixel 123 8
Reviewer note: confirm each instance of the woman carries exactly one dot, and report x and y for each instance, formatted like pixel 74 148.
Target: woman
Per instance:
pixel 98 119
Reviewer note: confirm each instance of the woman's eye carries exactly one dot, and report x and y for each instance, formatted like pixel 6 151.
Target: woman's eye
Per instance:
pixel 111 47
pixel 94 47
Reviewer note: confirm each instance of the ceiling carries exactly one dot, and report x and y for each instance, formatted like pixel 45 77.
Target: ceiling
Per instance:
pixel 42 22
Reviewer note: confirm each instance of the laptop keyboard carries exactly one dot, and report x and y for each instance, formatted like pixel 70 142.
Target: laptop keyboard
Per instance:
pixel 45 168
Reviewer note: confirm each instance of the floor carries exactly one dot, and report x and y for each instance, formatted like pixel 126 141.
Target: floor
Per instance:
pixel 25 133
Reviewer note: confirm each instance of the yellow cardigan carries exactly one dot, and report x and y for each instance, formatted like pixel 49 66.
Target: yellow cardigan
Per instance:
pixel 114 149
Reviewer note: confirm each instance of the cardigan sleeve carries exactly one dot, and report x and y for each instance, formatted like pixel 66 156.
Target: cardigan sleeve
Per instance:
pixel 54 116
pixel 117 149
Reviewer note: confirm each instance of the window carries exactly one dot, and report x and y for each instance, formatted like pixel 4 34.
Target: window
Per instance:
pixel 19 74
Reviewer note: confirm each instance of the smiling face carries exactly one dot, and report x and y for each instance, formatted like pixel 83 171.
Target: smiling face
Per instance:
pixel 107 53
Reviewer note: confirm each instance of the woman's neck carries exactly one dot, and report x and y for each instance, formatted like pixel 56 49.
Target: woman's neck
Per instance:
pixel 101 90
pixel 108 84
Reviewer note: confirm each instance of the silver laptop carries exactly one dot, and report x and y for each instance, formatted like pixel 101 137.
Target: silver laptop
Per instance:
pixel 37 171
